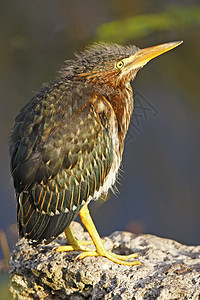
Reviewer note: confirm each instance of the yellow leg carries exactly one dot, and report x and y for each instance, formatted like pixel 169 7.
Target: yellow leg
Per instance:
pixel 74 244
pixel 100 250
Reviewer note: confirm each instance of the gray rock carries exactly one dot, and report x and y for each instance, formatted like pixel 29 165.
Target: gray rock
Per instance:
pixel 169 270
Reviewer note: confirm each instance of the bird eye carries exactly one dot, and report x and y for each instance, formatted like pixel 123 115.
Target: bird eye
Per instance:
pixel 120 64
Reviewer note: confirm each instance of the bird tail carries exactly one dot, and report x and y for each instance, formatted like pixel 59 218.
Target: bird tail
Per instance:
pixel 36 225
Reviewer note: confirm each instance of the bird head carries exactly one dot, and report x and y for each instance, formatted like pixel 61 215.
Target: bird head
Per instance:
pixel 113 64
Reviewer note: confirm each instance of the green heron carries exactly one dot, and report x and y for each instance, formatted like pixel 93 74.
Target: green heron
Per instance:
pixel 67 143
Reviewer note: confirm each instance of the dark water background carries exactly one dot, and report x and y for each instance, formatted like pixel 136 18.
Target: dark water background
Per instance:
pixel 160 179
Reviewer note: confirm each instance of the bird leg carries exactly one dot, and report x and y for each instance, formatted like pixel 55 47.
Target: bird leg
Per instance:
pixel 74 244
pixel 100 250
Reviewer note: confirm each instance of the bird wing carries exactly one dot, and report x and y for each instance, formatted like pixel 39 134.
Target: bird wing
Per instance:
pixel 61 153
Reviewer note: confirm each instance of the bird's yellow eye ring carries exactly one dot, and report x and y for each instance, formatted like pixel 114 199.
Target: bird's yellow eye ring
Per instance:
pixel 120 64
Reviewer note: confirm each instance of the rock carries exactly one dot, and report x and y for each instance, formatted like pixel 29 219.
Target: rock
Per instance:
pixel 169 270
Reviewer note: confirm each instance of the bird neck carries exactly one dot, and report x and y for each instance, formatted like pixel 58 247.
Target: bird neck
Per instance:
pixel 121 100
pixel 122 103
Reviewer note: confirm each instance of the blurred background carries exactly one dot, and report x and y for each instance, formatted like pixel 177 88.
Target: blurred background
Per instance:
pixel 159 184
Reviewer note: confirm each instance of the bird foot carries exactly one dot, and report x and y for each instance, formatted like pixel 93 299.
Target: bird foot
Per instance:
pixel 119 259
pixel 74 244
pixel 77 247
pixel 100 249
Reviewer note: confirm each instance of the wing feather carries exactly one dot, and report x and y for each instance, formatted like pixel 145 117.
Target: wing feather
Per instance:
pixel 60 156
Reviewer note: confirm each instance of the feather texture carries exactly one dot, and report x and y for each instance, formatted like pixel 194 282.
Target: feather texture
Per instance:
pixel 61 155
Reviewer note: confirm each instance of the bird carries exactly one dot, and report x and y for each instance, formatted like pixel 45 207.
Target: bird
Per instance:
pixel 67 143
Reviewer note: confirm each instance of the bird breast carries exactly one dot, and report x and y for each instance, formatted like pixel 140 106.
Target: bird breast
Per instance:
pixel 118 107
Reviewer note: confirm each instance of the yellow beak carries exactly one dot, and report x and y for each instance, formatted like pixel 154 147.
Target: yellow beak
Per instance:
pixel 143 56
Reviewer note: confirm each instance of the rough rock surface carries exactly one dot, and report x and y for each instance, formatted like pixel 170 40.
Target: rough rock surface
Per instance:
pixel 169 270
